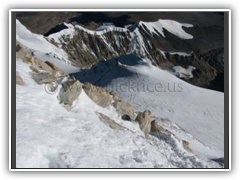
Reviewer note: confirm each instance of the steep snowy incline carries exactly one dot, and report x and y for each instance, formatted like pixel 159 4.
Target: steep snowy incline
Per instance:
pixel 38 46
pixel 48 136
pixel 198 111
pixel 156 27
pixel 71 31
pixel 86 47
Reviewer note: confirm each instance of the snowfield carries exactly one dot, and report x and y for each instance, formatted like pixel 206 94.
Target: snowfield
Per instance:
pixel 172 26
pixel 198 111
pixel 136 45
pixel 39 47
pixel 48 136
pixel 182 72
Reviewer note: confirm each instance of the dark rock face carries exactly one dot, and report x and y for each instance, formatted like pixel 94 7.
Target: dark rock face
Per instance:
pixel 85 49
pixel 42 22
pixel 126 117
pixel 55 29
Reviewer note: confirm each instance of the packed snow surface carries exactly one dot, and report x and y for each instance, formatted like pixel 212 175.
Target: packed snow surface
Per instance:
pixel 39 47
pixel 171 26
pixel 136 45
pixel 181 72
pixel 105 25
pixel 48 136
pixel 198 111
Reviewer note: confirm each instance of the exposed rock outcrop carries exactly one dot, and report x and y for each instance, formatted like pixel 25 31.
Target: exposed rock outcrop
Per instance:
pixel 71 92
pixel 109 45
pixel 36 63
pixel 45 72
pixel 110 122
pixel 23 54
pixel 124 109
pixel 98 95
pixel 165 121
pixel 34 69
pixel 41 65
pixel 56 69
pixel 43 77
pixel 19 80
pixel 155 127
pixel 114 95
pixel 85 49
pixel 186 146
pixel 144 120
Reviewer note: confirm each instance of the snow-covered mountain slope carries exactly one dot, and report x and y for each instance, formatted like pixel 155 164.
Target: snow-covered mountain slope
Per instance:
pixel 198 111
pixel 155 42
pixel 164 43
pixel 157 27
pixel 191 118
pixel 116 40
pixel 182 72
pixel 39 47
pixel 86 47
pixel 48 136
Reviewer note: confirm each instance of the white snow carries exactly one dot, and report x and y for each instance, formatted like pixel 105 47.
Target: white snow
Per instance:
pixel 136 45
pixel 172 26
pixel 128 25
pixel 105 26
pixel 40 47
pixel 72 30
pixel 181 53
pixel 198 111
pixel 181 72
pixel 48 136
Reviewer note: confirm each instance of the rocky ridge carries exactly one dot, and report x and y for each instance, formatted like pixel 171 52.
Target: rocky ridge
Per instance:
pixel 71 90
pixel 85 48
